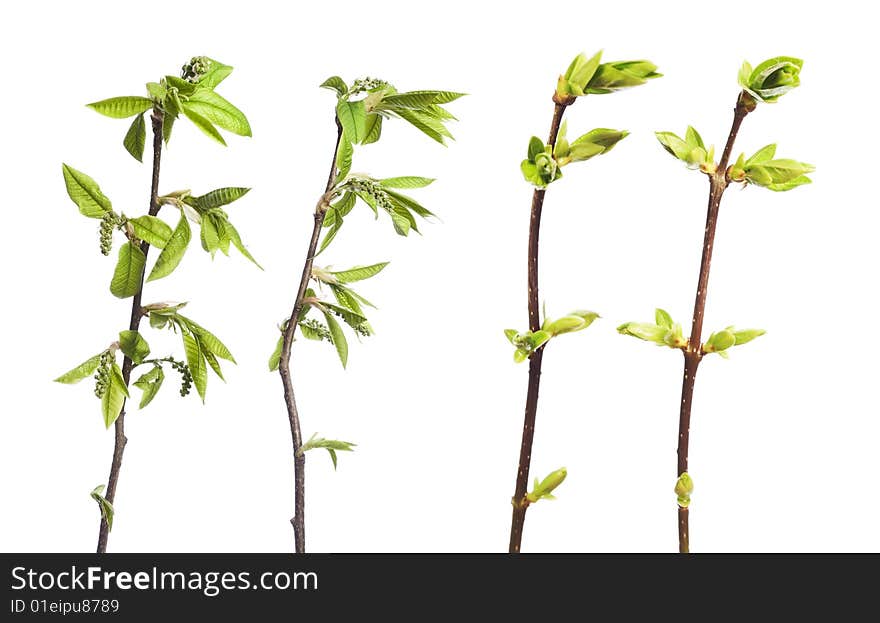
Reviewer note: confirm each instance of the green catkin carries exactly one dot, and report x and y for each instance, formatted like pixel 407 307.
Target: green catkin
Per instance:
pixel 102 374
pixel 108 222
pixel 196 68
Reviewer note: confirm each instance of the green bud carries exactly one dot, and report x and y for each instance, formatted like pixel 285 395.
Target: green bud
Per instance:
pixel 771 79
pixel 691 150
pixel 610 77
pixel 720 341
pixel 540 168
pixel 779 175
pixel 644 331
pixel 747 335
pixel 662 318
pixel 574 82
pixel 674 338
pixel 684 486
pixel 543 490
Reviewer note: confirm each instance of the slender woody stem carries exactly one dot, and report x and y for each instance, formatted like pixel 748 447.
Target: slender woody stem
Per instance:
pixel 693 354
pixel 158 118
pixel 298 521
pixel 520 504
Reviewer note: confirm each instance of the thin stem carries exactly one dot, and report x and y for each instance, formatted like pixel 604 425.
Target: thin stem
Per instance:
pixel 520 504
pixel 693 354
pixel 120 439
pixel 298 521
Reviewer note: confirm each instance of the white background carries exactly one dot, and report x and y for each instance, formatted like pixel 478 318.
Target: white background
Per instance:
pixel 785 434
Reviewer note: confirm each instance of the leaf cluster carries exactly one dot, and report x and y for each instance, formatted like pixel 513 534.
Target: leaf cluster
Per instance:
pixel 543 163
pixel 191 94
pixel 530 341
pixel 586 76
pixel 332 446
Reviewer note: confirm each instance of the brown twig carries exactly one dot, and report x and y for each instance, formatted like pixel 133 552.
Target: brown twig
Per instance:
pixel 693 354
pixel 520 504
pixel 135 321
pixel 299 461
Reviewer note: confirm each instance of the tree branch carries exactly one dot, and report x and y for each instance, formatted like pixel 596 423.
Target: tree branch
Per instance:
pixel 520 504
pixel 120 439
pixel 299 461
pixel 693 354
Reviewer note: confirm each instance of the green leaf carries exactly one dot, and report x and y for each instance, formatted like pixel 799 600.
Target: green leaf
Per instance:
pixel 336 225
pixel 662 318
pixel 275 357
pixel 83 370
pixel 149 383
pixel 693 138
pixel 212 361
pixel 114 396
pixel 543 490
pixel 407 181
pixel 412 99
pixel 218 197
pixel 236 240
pixel 219 111
pixel 173 251
pixel 217 73
pixel 372 129
pixel 85 193
pixel 744 336
pixel 338 338
pixel 207 339
pixel 203 124
pixel 359 273
pixel 336 84
pixel 331 445
pixel 536 146
pixel 129 273
pixel 352 116
pixel 429 126
pixel 105 506
pixel 133 345
pixel 762 155
pixel 122 107
pixel 196 362
pixel 209 236
pixel 343 158
pixel 152 229
pixel 136 138
pixel 344 298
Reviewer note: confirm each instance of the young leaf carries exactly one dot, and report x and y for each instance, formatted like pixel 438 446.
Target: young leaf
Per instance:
pixel 83 370
pixel 209 236
pixel 343 158
pixel 203 124
pixel 217 73
pixel 173 251
pixel 359 273
pixel 236 240
pixel 353 119
pixel 105 506
pixel 149 383
pixel 662 318
pixel 372 129
pixel 219 111
pixel 275 357
pixel 408 181
pixel 133 345
pixel 122 107
pixel 338 338
pixel 152 229
pixel 331 445
pixel 85 193
pixel 129 271
pixel 336 84
pixel 114 396
pixel 136 138
pixel 208 340
pixel 197 365
pixel 217 198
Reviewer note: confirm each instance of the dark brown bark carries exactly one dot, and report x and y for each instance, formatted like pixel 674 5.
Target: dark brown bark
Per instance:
pixel 693 354
pixel 299 461
pixel 520 504
pixel 134 322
